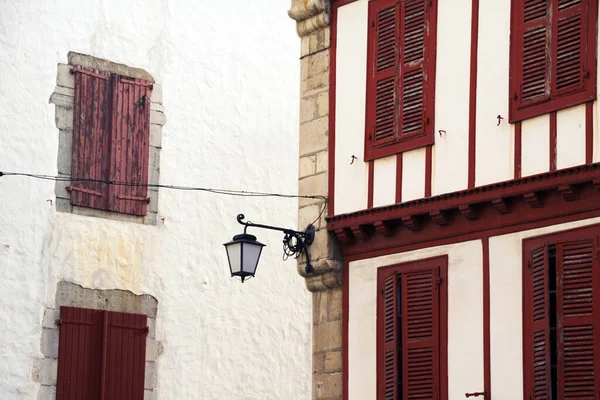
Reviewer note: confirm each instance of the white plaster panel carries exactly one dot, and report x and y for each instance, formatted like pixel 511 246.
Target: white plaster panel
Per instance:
pixel 535 145
pixel 570 137
pixel 450 155
pixel 413 174
pixel 351 180
pixel 384 181
pixel 465 319
pixel 227 70
pixel 494 144
pixel 506 308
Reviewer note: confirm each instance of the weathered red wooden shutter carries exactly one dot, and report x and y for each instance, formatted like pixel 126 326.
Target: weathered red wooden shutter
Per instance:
pixel 577 283
pixel 420 334
pixel 534 45
pixel 387 342
pixel 413 88
pixel 125 356
pixel 382 88
pixel 569 45
pixel 79 354
pixel 537 325
pixel 91 137
pixel 130 145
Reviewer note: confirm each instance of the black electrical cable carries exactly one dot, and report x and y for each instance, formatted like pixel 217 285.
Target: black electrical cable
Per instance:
pixel 226 192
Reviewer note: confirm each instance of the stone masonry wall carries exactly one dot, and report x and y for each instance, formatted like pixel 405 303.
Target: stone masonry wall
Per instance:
pixel 325 283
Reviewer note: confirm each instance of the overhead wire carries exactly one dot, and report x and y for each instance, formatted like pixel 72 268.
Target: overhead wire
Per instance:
pixel 226 192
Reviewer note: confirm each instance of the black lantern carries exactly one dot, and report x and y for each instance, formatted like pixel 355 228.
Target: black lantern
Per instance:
pixel 243 252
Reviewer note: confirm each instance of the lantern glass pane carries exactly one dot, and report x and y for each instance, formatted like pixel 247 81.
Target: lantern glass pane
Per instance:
pixel 251 256
pixel 234 252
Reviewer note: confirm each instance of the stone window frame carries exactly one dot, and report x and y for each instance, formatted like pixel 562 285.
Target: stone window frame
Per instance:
pixel 71 294
pixel 63 99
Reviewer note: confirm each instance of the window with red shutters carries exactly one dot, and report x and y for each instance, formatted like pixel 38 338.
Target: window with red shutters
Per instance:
pixel 553 55
pixel 400 76
pixel 101 355
pixel 561 328
pixel 411 331
pixel 111 135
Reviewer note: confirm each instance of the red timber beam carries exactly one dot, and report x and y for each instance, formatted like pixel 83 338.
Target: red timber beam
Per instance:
pixel 526 200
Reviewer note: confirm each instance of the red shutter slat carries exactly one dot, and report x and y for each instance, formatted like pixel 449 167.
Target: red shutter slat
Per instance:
pixel 130 146
pixel 535 52
pixel 382 88
pixel 420 334
pixel 91 135
pixel 387 342
pixel 412 42
pixel 79 354
pixel 569 45
pixel 126 356
pixel 577 276
pixel 537 338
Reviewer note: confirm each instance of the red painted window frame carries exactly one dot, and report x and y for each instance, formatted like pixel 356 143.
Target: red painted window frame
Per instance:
pixel 440 262
pixel 555 102
pixel 413 141
pixel 528 245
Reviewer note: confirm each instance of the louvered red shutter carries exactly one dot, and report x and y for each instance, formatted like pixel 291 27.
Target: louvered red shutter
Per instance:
pixel 553 55
pixel 382 89
pixel 130 145
pixel 569 45
pixel 79 354
pixel 387 342
pixel 577 283
pixel 534 51
pixel 91 137
pixel 420 334
pixel 126 356
pixel 537 322
pixel 413 88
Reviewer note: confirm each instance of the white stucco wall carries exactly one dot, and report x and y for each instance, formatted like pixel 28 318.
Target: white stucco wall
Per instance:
pixel 465 319
pixel 351 180
pixel 229 72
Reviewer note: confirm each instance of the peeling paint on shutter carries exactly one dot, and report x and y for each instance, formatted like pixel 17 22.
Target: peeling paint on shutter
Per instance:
pixel 126 356
pixel 420 336
pixel 382 97
pixel 130 145
pixel 577 276
pixel 537 348
pixel 91 136
pixel 79 354
pixel 535 51
pixel 388 360
pixel 412 43
pixel 569 45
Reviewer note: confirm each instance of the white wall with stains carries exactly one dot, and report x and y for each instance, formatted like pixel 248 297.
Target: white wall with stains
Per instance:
pixel 229 73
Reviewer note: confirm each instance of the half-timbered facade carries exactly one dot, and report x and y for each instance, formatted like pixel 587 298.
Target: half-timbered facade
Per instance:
pixel 463 178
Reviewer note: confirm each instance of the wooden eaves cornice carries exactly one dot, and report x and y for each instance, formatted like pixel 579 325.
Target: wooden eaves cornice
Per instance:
pixel 535 198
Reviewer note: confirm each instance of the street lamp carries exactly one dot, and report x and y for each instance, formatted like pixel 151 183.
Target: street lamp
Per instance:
pixel 243 252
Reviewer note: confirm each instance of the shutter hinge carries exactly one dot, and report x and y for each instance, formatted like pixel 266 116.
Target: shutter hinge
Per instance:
pixel 440 280
pixel 529 264
pixel 586 75
pixel 58 321
pixel 515 96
